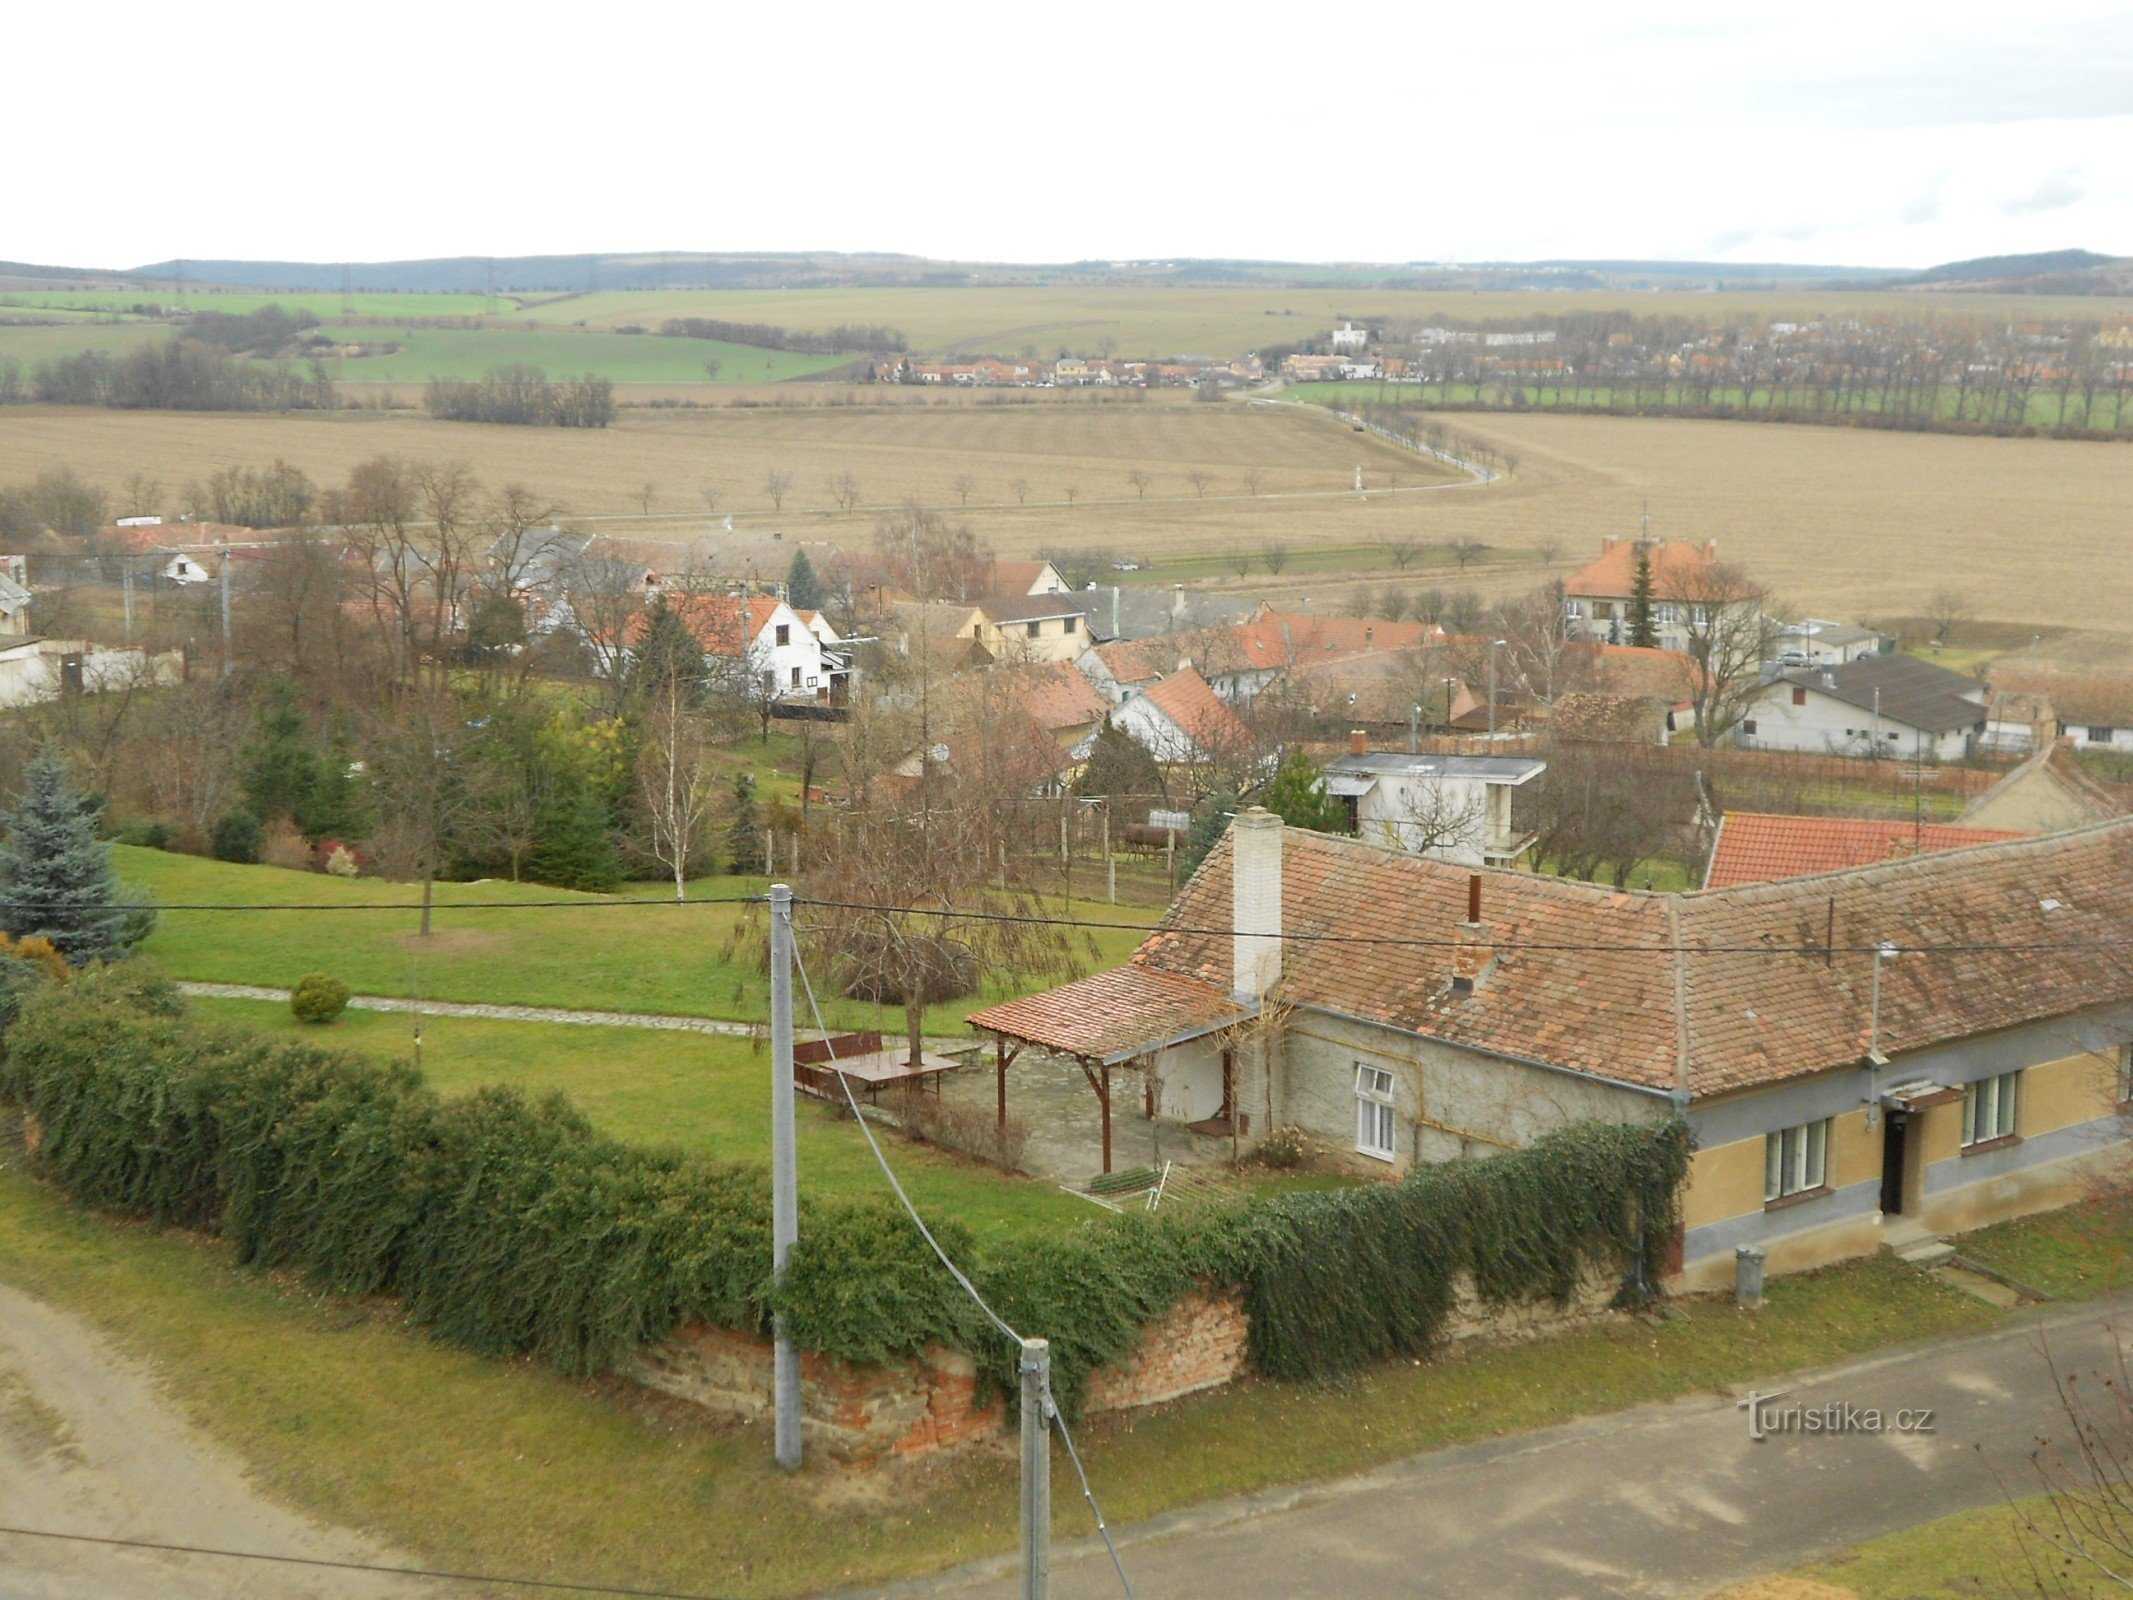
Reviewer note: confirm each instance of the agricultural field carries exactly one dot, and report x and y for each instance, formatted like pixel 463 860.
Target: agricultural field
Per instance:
pixel 427 353
pixel 235 302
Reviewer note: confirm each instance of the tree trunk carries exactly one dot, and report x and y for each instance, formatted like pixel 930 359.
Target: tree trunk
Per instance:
pixel 429 885
pixel 914 1026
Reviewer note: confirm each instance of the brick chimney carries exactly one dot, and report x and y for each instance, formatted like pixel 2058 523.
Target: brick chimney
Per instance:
pixel 1473 958
pixel 1710 549
pixel 1607 542
pixel 1358 742
pixel 1255 891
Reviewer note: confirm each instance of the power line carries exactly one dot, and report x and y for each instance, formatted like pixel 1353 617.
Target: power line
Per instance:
pixel 649 902
pixel 356 1566
pixel 1057 1419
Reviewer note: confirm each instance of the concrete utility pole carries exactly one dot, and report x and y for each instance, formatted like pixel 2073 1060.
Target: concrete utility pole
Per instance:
pixel 1036 1367
pixel 229 661
pixel 784 1173
pixel 126 578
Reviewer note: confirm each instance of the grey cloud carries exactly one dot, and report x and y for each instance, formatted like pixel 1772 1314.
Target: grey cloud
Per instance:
pixel 2062 189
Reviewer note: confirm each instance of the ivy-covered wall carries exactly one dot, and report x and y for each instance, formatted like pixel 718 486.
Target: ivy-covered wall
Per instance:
pixel 511 1227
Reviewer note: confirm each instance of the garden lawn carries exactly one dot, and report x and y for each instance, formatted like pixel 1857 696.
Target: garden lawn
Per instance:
pixel 707 1094
pixel 1975 1555
pixel 344 1409
pixel 632 951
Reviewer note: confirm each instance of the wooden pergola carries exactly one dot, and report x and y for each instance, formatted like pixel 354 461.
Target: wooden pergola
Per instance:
pixel 1117 1018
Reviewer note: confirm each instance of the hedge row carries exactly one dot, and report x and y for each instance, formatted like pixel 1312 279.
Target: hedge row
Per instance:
pixel 511 1227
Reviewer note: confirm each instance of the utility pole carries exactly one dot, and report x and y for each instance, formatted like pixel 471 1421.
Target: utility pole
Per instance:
pixel 229 661
pixel 1036 1368
pixel 126 578
pixel 784 1173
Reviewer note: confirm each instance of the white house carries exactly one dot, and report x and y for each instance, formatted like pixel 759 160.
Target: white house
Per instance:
pixel 1813 642
pixel 1897 707
pixel 1349 337
pixel 768 639
pixel 1455 808
pixel 1182 722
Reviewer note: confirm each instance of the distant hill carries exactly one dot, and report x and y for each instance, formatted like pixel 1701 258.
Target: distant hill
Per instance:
pixel 2042 272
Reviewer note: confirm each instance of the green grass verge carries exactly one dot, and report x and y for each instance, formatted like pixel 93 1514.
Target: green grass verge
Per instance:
pixel 594 952
pixel 340 1407
pixel 1970 1556
pixel 707 1094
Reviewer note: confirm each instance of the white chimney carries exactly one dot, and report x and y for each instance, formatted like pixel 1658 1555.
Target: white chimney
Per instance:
pixel 1255 893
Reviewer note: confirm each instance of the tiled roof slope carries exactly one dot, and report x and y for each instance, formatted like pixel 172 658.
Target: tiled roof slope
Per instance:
pixel 1759 847
pixel 1187 700
pixel 1114 1015
pixel 1758 1001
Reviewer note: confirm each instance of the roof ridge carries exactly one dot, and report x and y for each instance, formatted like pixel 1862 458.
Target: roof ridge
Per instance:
pixel 1678 959
pixel 1937 858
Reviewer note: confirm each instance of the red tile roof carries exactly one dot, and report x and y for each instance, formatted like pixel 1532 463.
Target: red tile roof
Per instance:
pixel 724 624
pixel 1116 1015
pixel 1759 847
pixel 1613 574
pixel 1701 993
pixel 1187 700
pixel 1055 696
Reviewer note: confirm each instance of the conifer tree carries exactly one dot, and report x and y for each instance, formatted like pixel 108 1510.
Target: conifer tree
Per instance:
pixel 744 839
pixel 1297 794
pixel 1643 631
pixel 803 590
pixel 56 880
pixel 281 768
pixel 667 650
pixel 1210 820
pixel 573 846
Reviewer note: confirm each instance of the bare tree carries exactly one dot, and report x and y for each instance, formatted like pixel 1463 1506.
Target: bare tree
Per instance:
pixel 711 367
pixel 930 557
pixel 1433 818
pixel 1949 608
pixel 776 486
pixel 1240 561
pixel 1277 557
pixel 1199 478
pixel 1072 492
pixel 844 489
pixel 2075 1538
pixel 1251 481
pixel 142 495
pixel 644 494
pixel 709 494
pixel 1548 550
pixel 675 781
pixel 1728 634
pixel 1541 659
pixel 1021 489
pixel 1400 549
pixel 1466 551
pixel 964 484
pixel 1139 480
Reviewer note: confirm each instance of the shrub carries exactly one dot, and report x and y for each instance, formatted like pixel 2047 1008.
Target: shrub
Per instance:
pixel 1284 1148
pixel 341 862
pixel 236 837
pixel 281 844
pixel 147 834
pixel 318 997
pixel 971 1130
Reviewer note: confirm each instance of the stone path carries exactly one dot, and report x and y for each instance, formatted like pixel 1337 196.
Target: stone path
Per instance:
pixel 468 1008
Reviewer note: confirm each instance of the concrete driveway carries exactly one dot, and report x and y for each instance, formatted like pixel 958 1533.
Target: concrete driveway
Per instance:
pixel 1672 1500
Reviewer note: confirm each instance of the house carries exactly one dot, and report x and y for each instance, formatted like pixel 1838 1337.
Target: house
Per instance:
pixel 764 637
pixel 1117 612
pixel 1812 642
pixel 1349 337
pixel 1182 722
pixel 1455 808
pixel 2093 711
pixel 1024 578
pixel 33 671
pixel 14 597
pixel 1015 729
pixel 1597 599
pixel 1585 716
pixel 1045 626
pixel 2018 721
pixel 1759 847
pixel 1865 1058
pixel 1877 706
pixel 2048 792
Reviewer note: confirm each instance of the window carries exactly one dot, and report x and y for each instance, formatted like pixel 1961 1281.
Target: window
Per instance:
pixel 1799 695
pixel 1747 727
pixel 1666 614
pixel 1071 625
pixel 1574 610
pixel 1989 1110
pixel 2099 735
pixel 784 633
pixel 1034 628
pixel 796 677
pixel 1795 1160
pixel 1373 1112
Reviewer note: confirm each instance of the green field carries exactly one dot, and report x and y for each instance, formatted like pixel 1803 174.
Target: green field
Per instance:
pixel 637 951
pixel 30 345
pixel 623 357
pixel 705 1093
pixel 320 303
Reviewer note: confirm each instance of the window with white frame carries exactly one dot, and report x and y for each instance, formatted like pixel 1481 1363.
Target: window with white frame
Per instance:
pixel 1666 614
pixel 1989 1109
pixel 1373 1112
pixel 1795 1160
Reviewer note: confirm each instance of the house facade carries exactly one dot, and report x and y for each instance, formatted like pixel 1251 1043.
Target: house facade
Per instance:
pixel 1878 707
pixel 1844 1092
pixel 1453 808
pixel 764 637
pixel 1599 599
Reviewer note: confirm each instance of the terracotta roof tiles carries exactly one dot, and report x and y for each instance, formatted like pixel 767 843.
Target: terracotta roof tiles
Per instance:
pixel 1758 847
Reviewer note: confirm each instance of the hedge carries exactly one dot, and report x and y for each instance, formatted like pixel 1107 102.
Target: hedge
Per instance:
pixel 511 1227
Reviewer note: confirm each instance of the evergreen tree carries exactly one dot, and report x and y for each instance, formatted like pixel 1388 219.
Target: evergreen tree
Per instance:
pixel 1210 820
pixel 803 590
pixel 1643 632
pixel 336 807
pixel 573 847
pixel 56 880
pixel 1297 794
pixel 667 650
pixel 1119 765
pixel 744 839
pixel 281 768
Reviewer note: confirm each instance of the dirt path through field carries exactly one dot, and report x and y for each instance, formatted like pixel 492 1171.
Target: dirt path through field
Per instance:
pixel 89 1446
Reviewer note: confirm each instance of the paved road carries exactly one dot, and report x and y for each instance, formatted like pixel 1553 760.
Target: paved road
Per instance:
pixel 88 1445
pixel 1672 1500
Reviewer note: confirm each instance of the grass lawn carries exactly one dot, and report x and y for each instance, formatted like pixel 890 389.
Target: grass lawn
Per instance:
pixel 633 951
pixel 342 1408
pixel 1970 1556
pixel 703 1093
pixel 427 353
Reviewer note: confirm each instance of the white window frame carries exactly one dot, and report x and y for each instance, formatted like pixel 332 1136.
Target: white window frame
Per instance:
pixel 1990 1107
pixel 1376 1128
pixel 1795 1160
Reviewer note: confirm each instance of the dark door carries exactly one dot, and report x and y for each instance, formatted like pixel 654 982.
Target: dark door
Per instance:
pixel 1895 1128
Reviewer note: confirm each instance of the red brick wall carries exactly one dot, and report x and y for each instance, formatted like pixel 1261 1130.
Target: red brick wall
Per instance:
pixel 1199 1344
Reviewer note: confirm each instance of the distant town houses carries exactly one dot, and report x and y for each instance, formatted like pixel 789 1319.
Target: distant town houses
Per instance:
pixel 1069 371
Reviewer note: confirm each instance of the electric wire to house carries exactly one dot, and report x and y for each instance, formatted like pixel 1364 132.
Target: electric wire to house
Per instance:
pixel 1051 1408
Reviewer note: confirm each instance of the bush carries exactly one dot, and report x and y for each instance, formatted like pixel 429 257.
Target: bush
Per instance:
pixel 1284 1148
pixel 318 998
pixel 341 861
pixel 236 837
pixel 971 1130
pixel 148 835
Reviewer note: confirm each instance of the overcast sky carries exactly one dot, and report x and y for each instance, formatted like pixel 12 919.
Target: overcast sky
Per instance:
pixel 1867 133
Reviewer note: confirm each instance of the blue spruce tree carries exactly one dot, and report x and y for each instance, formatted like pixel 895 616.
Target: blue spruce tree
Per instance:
pixel 56 880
